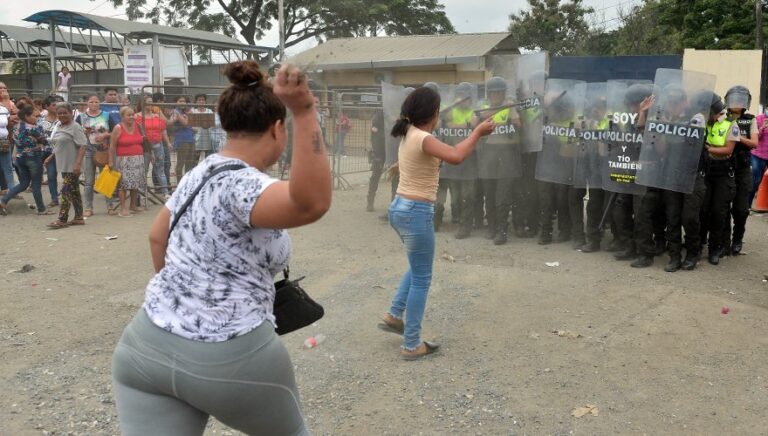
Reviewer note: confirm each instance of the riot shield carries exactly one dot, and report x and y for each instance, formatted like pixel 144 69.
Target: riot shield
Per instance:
pixel 457 111
pixel 590 151
pixel 498 154
pixel 624 137
pixel 392 97
pixel 530 77
pixel 675 130
pixel 564 107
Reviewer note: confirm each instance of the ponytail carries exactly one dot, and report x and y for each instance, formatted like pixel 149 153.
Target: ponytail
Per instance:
pixel 401 127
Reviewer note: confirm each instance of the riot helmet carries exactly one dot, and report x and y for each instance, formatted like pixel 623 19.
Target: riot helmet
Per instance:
pixel 717 106
pixel 496 90
pixel 738 97
pixel 432 85
pixel 636 94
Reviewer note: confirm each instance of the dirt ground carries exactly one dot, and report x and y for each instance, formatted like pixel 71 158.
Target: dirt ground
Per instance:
pixel 655 354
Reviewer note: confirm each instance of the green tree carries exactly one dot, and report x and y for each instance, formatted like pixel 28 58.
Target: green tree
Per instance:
pixel 559 27
pixel 304 19
pixel 20 67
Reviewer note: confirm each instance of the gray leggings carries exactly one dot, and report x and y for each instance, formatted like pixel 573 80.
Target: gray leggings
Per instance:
pixel 168 385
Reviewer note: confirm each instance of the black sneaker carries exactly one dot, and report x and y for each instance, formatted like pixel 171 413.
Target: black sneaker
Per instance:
pixel 642 262
pixel 673 265
pixel 590 247
pixel 578 244
pixel 500 239
pixel 736 248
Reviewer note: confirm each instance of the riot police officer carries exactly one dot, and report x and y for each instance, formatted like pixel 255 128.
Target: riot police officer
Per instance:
pixel 377 156
pixel 498 159
pixel 737 100
pixel 722 136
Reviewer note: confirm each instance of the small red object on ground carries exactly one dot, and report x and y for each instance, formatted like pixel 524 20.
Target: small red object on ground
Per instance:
pixel 725 310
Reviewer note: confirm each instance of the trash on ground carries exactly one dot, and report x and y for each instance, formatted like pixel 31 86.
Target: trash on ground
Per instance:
pixel 588 409
pixel 314 341
pixel 552 264
pixel 52 239
pixel 448 257
pixel 111 237
pixel 25 269
pixel 567 334
pixel 725 310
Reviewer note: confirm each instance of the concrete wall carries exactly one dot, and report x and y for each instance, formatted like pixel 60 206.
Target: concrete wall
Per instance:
pixel 732 67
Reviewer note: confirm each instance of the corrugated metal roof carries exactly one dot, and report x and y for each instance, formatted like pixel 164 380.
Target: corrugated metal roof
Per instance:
pixel 134 29
pixel 41 37
pixel 401 51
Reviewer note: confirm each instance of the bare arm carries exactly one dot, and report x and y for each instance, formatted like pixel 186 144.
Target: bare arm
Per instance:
pixel 456 155
pixel 722 151
pixel 113 144
pixel 158 238
pixel 306 196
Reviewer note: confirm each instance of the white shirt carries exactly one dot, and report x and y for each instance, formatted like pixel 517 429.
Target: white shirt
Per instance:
pixel 64 83
pixel 218 279
pixel 4 115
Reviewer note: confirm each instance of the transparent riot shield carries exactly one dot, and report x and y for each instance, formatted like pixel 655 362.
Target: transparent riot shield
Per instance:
pixel 564 108
pixel 458 104
pixel 624 136
pixel 499 154
pixel 675 130
pixel 590 151
pixel 530 81
pixel 392 97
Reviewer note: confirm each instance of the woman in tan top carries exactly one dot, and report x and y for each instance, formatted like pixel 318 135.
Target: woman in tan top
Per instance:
pixel 412 210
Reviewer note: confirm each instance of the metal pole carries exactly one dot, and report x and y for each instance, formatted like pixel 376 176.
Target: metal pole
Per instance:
pixel 52 25
pixel 281 26
pixel 157 74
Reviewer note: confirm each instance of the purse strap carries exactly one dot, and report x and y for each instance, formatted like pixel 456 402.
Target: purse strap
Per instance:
pixel 192 196
pixel 185 206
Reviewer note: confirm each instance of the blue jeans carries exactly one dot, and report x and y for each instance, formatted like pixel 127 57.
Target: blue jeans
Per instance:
pixel 758 169
pixel 158 168
pixel 53 182
pixel 6 169
pixel 30 172
pixel 412 220
pixel 340 138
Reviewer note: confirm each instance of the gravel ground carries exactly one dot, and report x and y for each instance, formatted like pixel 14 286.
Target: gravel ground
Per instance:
pixel 649 352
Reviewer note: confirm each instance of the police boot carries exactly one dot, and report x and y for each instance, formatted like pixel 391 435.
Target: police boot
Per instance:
pixel 464 232
pixel 674 264
pixel 545 238
pixel 690 263
pixel 590 247
pixel 714 256
pixel 491 231
pixel 643 261
pixel 736 248
pixel 578 243
pixel 501 238
pixel 627 254
pixel 616 246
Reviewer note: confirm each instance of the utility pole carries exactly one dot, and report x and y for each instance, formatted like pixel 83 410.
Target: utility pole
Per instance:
pixel 759 24
pixel 281 27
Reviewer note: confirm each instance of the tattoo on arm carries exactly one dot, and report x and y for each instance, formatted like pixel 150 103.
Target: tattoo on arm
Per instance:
pixel 317 143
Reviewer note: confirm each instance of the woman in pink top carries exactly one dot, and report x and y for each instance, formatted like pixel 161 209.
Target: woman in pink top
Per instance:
pixel 759 155
pixel 125 149
pixel 412 210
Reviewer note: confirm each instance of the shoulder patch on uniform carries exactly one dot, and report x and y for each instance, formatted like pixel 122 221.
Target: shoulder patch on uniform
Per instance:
pixel 735 129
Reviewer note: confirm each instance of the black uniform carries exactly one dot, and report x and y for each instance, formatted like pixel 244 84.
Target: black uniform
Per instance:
pixel 377 156
pixel 742 161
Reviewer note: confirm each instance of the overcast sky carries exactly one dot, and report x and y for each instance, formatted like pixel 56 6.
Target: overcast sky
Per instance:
pixel 466 15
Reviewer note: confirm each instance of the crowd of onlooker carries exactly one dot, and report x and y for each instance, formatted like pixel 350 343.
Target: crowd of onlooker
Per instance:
pixel 50 141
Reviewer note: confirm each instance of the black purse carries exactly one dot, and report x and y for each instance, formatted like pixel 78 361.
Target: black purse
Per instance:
pixel 293 307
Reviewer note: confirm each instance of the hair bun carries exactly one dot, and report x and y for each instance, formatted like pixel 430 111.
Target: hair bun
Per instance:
pixel 244 73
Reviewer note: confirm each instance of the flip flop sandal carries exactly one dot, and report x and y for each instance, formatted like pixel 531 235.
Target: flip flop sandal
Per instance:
pixel 138 210
pixel 430 347
pixel 77 222
pixel 57 225
pixel 125 216
pixel 88 213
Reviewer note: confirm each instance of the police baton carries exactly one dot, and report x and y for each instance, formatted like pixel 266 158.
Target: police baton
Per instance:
pixel 454 105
